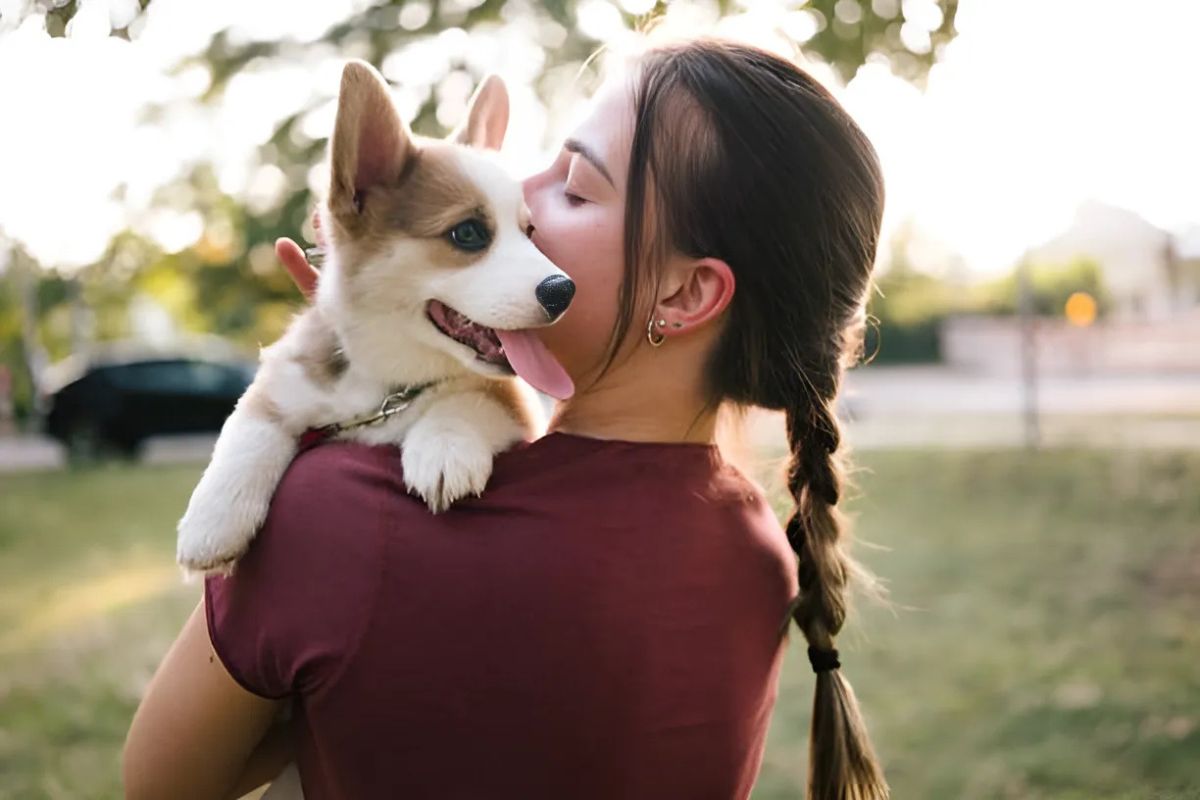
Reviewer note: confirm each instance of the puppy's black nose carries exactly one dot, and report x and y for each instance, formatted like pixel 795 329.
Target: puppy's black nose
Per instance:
pixel 555 294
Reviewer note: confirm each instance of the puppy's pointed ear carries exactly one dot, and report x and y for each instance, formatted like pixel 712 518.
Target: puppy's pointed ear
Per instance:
pixel 370 141
pixel 487 116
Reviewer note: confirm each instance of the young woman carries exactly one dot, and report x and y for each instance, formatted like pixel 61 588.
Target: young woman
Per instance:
pixel 608 620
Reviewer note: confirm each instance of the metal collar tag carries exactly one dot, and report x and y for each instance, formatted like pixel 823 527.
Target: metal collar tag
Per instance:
pixel 393 404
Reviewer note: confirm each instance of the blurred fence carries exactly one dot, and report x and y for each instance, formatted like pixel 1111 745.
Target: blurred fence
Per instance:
pixel 992 345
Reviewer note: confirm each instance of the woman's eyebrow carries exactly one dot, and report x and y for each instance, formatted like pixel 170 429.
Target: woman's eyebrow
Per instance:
pixel 576 146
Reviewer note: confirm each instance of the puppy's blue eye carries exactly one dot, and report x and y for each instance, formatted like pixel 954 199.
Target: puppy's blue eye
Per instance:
pixel 470 234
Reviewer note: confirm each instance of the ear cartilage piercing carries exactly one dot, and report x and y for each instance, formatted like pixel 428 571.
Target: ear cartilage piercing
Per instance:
pixel 676 324
pixel 662 323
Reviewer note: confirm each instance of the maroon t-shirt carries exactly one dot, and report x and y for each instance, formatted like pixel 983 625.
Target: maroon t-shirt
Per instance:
pixel 602 623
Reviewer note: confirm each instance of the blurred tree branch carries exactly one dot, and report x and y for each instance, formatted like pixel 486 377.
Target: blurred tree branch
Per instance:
pixel 850 32
pixel 227 282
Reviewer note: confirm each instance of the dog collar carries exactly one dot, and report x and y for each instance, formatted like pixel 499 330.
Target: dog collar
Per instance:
pixel 394 403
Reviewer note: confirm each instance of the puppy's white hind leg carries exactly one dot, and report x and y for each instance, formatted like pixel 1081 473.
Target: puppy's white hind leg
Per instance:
pixel 232 498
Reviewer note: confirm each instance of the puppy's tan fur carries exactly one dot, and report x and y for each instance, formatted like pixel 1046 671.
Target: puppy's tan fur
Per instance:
pixel 393 198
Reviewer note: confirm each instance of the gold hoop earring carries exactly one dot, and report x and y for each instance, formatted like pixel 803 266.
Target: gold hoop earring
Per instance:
pixel 652 333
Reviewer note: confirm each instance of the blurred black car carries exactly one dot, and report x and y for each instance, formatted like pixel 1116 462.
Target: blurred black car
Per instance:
pixel 112 407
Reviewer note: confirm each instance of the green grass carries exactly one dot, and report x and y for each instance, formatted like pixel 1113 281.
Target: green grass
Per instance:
pixel 1043 641
pixel 89 601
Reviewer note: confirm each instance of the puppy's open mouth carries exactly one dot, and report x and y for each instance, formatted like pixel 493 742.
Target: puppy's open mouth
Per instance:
pixel 461 329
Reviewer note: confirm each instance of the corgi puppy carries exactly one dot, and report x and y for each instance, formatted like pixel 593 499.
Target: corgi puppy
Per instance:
pixel 421 317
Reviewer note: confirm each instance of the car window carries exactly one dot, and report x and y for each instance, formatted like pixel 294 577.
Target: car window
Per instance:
pixel 208 377
pixel 177 377
pixel 148 376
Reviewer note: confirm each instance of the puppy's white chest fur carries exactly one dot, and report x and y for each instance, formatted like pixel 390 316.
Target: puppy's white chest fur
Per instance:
pixel 450 432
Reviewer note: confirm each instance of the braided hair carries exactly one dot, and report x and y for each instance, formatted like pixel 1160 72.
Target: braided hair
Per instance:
pixel 754 162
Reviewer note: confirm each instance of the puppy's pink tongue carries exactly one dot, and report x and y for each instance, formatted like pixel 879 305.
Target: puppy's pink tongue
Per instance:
pixel 533 362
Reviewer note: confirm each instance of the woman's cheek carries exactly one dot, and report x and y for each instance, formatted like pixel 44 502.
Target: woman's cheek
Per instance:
pixel 580 339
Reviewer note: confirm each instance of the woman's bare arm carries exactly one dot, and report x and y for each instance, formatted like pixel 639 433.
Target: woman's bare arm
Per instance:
pixel 196 730
pixel 276 750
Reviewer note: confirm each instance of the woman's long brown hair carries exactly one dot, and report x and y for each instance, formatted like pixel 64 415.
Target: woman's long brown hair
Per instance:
pixel 744 157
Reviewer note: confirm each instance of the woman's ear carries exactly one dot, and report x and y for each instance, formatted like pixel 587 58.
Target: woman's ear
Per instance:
pixel 700 292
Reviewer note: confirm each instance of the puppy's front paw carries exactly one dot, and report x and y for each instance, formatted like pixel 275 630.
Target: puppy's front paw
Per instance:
pixel 442 465
pixel 202 565
pixel 216 530
pixel 210 543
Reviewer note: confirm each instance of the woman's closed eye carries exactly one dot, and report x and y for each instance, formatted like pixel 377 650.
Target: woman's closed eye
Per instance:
pixel 577 183
pixel 575 187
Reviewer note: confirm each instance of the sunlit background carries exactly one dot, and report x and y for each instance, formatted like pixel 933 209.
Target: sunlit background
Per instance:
pixel 1029 420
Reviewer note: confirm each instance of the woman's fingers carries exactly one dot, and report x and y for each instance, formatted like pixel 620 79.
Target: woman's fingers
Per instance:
pixel 319 234
pixel 292 257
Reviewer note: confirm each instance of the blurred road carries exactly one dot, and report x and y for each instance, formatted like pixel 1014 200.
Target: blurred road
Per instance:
pixel 921 406
pixel 930 406
pixel 933 390
pixel 31 452
pixel 21 453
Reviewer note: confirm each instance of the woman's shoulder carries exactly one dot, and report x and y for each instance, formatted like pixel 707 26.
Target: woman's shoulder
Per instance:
pixel 299 598
pixel 656 486
pixel 337 469
pixel 327 492
pixel 340 492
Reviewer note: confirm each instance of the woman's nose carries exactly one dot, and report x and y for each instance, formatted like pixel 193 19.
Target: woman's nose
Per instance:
pixel 530 186
pixel 531 203
pixel 528 189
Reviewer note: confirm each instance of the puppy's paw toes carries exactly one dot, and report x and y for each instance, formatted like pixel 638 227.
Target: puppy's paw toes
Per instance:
pixel 208 560
pixel 198 569
pixel 210 545
pixel 444 474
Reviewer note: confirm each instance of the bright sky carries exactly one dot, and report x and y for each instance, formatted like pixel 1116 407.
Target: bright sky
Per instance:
pixel 1037 106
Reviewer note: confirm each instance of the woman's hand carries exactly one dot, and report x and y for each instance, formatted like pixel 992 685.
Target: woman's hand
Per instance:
pixel 291 255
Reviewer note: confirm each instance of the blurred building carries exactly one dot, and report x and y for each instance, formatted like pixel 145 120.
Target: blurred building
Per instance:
pixel 1151 274
pixel 1153 279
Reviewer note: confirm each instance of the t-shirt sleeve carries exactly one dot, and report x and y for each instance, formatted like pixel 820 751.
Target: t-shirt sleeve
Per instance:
pixel 291 615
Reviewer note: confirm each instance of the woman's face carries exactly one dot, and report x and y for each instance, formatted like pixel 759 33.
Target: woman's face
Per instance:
pixel 578 209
